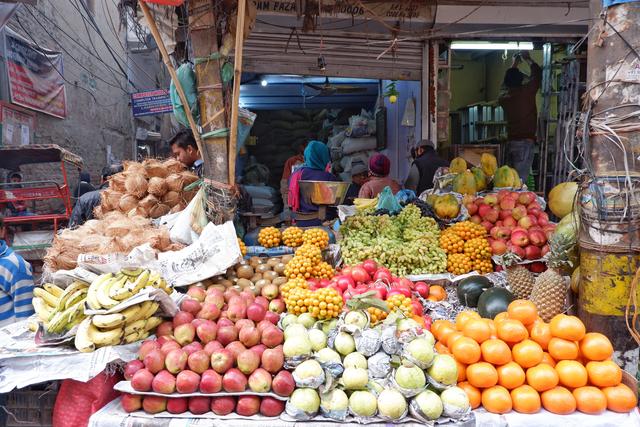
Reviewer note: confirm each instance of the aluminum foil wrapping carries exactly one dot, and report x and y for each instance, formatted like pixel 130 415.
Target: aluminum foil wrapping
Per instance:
pixel 406 392
pixel 454 412
pixel 394 420
pixel 339 415
pixel 379 365
pixel 437 385
pixel 416 412
pixel 418 363
pixel 333 369
pixel 291 362
pixel 312 382
pixel 298 414
pixel 390 343
pixel 376 386
pixel 368 341
pixel 331 337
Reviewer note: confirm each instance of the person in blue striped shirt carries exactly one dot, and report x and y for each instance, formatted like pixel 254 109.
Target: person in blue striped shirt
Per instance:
pixel 16 284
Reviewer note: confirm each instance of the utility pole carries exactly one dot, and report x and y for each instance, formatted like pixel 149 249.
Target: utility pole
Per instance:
pixel 208 62
pixel 610 206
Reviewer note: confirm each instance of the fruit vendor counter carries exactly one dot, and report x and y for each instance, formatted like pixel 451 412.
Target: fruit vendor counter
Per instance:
pixel 112 415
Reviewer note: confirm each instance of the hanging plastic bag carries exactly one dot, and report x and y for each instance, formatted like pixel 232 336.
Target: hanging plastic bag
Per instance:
pixel 187 79
pixel 388 202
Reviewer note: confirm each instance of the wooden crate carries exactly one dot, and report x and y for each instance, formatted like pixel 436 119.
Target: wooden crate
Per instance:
pixel 472 152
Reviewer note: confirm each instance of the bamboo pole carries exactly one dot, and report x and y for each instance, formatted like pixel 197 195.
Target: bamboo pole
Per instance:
pixel 237 77
pixel 174 76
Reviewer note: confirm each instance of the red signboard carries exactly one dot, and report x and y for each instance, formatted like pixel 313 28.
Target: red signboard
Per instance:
pixel 35 79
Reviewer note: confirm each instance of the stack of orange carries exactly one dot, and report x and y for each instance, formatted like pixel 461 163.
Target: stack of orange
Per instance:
pixel 518 362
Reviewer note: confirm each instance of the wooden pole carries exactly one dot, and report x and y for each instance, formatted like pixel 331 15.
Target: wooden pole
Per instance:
pixel 237 77
pixel 174 76
pixel 204 42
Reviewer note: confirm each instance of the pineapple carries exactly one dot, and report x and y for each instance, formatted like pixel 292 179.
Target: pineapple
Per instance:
pixel 520 279
pixel 550 289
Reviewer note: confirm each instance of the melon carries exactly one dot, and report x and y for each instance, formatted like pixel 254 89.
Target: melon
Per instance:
pixel 561 198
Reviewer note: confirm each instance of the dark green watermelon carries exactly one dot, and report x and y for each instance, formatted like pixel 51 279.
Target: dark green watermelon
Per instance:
pixel 470 289
pixel 494 301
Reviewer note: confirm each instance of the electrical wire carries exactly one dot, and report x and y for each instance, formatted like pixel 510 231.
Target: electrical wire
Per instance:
pixel 58 71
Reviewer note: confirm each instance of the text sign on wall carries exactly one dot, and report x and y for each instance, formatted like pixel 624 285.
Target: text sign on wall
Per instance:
pixel 151 102
pixel 35 77
pixel 418 10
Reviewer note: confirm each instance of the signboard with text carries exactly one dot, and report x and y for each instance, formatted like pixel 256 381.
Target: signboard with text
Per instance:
pixel 35 77
pixel 151 102
pixel 416 9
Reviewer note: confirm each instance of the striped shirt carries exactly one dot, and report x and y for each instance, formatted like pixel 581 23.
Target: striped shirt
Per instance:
pixel 16 286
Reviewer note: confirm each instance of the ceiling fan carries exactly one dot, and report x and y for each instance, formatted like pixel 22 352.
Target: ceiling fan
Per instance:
pixel 327 89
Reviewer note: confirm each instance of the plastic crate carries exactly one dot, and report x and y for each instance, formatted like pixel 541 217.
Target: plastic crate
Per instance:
pixel 32 406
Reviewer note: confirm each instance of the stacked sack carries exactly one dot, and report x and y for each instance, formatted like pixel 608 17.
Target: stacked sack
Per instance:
pixel 149 189
pixel 354 144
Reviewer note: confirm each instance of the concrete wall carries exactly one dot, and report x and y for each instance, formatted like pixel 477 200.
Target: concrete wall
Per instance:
pixel 98 122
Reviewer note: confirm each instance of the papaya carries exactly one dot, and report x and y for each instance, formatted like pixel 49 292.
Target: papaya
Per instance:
pixel 446 206
pixel 517 182
pixel 503 177
pixel 465 183
pixel 480 177
pixel 488 163
pixel 431 199
pixel 458 165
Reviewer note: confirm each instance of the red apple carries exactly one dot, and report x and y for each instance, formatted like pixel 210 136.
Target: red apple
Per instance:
pixel 199 405
pixel 164 382
pixel 519 212
pixel 210 382
pixel 271 407
pixel 177 405
pixel 283 384
pixel 256 312
pixel 234 381
pixel 131 402
pixel 498 247
pixel 190 305
pixel 248 405
pixel 187 382
pixel 223 405
pixel 181 318
pixel 222 360
pixel 131 368
pixel 154 404
pixel 519 238
pixel 532 252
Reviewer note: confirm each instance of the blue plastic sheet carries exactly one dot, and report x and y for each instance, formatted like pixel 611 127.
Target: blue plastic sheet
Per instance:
pixel 387 201
pixel 607 3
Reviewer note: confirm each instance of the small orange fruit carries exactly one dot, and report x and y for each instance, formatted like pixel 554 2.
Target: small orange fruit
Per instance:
pixel 462 371
pixel 620 398
pixel 604 374
pixel 527 353
pixel 445 332
pixel 497 400
pixel 590 400
pixel 569 328
pixel 559 400
pixel 510 375
pixel 540 332
pixel 463 317
pixel 572 374
pixel 492 326
pixel 441 348
pixel 511 331
pixel 547 359
pixel 523 310
pixel 496 352
pixel 530 325
pixel 500 317
pixel 466 350
pixel 526 400
pixel 437 292
pixel 561 349
pixel 542 377
pixel 482 375
pixel 435 327
pixel 453 338
pixel 595 346
pixel 478 330
pixel 474 395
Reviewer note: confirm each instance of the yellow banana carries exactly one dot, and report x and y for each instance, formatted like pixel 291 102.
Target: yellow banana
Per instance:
pixel 69 291
pixel 76 297
pixel 54 290
pixel 136 326
pixel 149 310
pixel 152 323
pixel 132 337
pixel 82 341
pixel 42 309
pixel 133 312
pixel 120 291
pixel 108 321
pixel 102 338
pixel 140 282
pixel 132 273
pixel 50 299
pixel 102 293
pixel 92 292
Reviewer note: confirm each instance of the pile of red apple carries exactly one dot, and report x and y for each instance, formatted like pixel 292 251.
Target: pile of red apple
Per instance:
pixel 218 342
pixel 515 222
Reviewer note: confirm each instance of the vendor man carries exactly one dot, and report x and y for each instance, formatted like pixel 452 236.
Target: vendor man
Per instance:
pixel 185 150
pixel 83 210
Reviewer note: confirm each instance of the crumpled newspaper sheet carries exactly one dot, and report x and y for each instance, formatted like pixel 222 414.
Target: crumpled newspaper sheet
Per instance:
pixel 23 363
pixel 547 419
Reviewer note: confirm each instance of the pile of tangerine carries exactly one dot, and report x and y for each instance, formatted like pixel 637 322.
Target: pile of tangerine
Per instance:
pixel 518 362
pixel 467 248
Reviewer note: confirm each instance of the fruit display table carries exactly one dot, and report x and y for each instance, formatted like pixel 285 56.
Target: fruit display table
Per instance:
pixel 112 415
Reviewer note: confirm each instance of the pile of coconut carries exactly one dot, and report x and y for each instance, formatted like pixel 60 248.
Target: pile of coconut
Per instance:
pixel 114 233
pixel 149 189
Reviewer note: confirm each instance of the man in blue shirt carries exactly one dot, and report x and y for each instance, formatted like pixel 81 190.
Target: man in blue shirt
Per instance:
pixel 185 150
pixel 16 284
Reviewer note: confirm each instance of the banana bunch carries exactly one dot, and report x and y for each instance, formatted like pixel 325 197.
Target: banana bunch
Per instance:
pixel 132 324
pixel 109 290
pixel 59 309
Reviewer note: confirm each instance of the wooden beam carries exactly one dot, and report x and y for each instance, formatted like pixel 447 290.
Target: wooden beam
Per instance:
pixel 237 78
pixel 204 42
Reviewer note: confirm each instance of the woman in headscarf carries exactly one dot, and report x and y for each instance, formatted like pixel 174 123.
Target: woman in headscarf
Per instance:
pixel 379 168
pixel 315 168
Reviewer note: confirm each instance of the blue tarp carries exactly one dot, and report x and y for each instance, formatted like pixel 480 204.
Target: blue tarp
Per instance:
pixel 607 3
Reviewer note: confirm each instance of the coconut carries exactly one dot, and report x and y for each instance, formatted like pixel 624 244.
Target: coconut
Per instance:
pixel 116 182
pixel 177 208
pixel 148 202
pixel 171 198
pixel 157 186
pixel 97 212
pixel 155 168
pixel 91 243
pixel 135 167
pixel 175 182
pixel 173 166
pixel 128 202
pixel 136 184
pixel 118 228
pixel 110 199
pixel 159 210
pixel 188 177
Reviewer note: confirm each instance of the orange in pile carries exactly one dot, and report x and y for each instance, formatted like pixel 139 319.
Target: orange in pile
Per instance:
pixel 518 362
pixel 467 248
